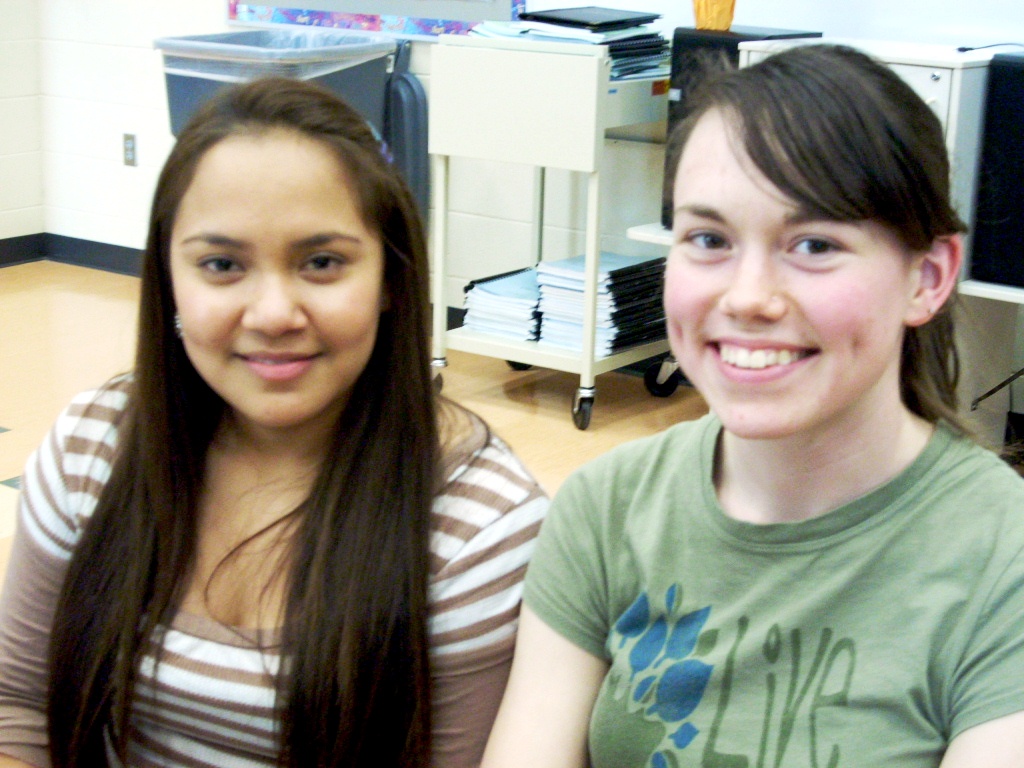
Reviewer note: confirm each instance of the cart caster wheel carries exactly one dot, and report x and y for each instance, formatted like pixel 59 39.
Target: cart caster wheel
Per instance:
pixel 518 366
pixel 663 378
pixel 581 410
pixel 437 365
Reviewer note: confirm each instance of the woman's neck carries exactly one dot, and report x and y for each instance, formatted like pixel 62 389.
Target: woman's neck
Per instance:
pixel 799 478
pixel 303 445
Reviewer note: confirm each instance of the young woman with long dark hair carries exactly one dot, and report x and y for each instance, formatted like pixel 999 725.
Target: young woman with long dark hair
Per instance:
pixel 271 543
pixel 825 570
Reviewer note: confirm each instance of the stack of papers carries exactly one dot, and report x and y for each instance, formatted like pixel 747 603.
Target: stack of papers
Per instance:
pixel 638 51
pixel 629 307
pixel 505 305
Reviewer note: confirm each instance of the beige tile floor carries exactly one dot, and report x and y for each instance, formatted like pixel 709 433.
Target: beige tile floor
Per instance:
pixel 62 329
pixel 65 328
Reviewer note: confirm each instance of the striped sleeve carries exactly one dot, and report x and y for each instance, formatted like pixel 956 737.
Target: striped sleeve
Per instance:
pixel 59 490
pixel 486 523
pixel 64 477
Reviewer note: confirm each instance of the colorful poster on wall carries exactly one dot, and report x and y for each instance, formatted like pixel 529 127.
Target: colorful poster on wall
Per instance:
pixel 403 23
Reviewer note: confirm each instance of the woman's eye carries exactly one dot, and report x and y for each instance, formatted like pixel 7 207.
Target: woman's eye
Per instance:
pixel 219 264
pixel 323 261
pixel 814 246
pixel 323 267
pixel 707 240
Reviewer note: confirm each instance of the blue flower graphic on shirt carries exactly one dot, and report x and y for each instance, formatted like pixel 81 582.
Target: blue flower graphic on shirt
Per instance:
pixel 666 684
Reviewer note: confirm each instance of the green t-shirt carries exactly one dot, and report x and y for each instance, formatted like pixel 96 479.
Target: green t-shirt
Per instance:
pixel 870 636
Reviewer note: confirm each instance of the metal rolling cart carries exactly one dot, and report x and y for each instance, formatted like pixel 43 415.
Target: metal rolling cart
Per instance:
pixel 542 104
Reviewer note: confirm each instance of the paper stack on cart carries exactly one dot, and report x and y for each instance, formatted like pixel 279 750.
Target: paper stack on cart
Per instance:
pixel 504 305
pixel 629 307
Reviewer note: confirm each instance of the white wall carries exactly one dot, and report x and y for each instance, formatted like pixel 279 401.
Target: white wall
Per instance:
pixel 102 78
pixel 956 22
pixel 21 147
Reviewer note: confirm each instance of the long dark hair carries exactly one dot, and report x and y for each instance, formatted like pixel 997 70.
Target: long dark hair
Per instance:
pixel 355 684
pixel 845 137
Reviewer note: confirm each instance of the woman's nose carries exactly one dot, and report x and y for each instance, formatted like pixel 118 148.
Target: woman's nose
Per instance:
pixel 274 307
pixel 754 291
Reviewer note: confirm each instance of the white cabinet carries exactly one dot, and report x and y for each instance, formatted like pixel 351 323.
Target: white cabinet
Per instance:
pixel 546 105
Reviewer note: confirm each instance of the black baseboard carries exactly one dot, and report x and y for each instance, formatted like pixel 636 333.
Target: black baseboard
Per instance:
pixel 88 253
pixel 70 250
pixel 19 250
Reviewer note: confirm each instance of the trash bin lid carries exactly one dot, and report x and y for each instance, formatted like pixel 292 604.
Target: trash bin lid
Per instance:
pixel 279 46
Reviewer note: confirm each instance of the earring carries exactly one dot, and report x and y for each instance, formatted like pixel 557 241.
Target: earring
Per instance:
pixel 177 325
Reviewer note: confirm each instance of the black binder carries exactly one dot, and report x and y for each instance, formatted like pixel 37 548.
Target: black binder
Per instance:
pixel 592 17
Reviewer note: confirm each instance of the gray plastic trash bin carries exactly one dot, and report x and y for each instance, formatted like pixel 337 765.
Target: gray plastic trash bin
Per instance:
pixel 351 64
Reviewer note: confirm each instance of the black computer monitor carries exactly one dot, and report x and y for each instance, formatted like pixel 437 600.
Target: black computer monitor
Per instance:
pixel 997 249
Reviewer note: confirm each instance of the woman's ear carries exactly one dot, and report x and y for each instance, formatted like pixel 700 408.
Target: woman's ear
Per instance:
pixel 938 271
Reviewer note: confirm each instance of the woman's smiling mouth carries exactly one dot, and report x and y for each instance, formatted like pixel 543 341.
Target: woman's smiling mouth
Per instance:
pixel 276 367
pixel 742 357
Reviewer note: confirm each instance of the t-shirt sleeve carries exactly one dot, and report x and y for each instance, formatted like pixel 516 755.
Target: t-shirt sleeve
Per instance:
pixel 488 520
pixel 566 584
pixel 989 680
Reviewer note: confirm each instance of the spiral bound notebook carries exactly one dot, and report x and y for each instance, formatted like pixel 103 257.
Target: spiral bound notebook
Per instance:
pixel 592 17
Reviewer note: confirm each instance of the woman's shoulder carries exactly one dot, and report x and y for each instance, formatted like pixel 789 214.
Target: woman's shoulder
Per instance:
pixel 89 424
pixel 971 489
pixel 67 472
pixel 670 450
pixel 473 455
pixel 487 494
pixel 966 468
pixel 105 403
pixel 90 421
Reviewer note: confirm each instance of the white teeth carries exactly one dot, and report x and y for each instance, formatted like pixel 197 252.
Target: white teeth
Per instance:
pixel 757 359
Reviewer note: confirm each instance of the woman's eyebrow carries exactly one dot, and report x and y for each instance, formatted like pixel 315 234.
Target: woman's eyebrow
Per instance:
pixel 813 216
pixel 313 241
pixel 703 211
pixel 211 238
pixel 326 238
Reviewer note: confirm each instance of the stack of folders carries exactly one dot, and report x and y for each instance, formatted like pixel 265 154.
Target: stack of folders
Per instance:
pixel 505 305
pixel 640 56
pixel 629 306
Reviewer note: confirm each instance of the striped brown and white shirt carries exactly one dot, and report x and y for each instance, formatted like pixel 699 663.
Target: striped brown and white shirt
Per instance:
pixel 212 700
